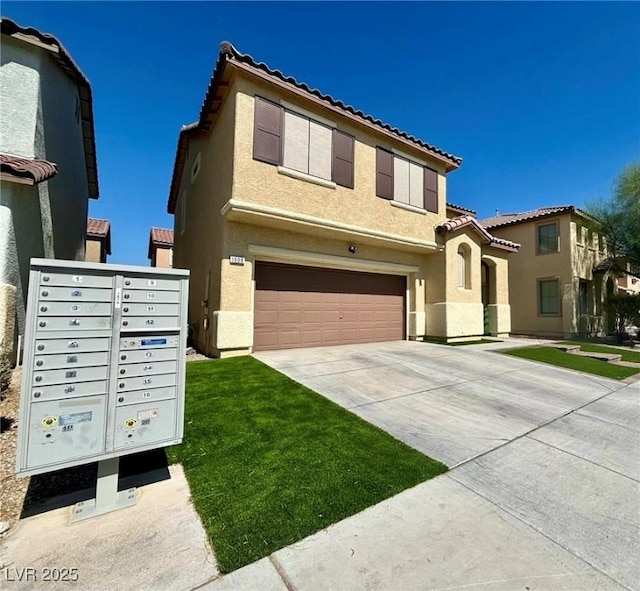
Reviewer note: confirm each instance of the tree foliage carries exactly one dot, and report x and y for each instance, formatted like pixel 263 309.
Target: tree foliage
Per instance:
pixel 626 312
pixel 619 218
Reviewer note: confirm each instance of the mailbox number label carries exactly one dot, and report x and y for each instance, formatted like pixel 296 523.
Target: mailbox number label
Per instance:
pixel 77 279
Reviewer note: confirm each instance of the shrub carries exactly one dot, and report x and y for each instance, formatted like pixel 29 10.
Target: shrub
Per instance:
pixel 5 373
pixel 626 312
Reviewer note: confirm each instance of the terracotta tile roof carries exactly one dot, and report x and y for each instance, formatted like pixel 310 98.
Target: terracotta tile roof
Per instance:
pixel 33 171
pixel 464 221
pixel 461 210
pixel 507 219
pixel 100 229
pixel 160 237
pixel 71 69
pixel 229 54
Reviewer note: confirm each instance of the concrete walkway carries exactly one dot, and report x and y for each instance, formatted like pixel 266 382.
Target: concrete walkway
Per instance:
pixel 545 494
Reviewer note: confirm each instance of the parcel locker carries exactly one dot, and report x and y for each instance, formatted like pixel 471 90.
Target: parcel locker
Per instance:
pixel 100 381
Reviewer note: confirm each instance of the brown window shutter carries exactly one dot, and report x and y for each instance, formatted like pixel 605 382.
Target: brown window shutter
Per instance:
pixel 384 174
pixel 267 132
pixel 430 190
pixel 343 148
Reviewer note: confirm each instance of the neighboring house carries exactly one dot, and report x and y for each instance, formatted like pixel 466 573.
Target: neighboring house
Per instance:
pixel 305 222
pixel 47 162
pixel 98 242
pixel 161 248
pixel 559 279
pixel 629 284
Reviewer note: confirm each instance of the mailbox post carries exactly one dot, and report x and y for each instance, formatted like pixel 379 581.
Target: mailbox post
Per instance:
pixel 104 370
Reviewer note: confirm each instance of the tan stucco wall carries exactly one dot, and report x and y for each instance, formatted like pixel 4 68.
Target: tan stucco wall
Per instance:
pixel 261 183
pixel 199 249
pixel 93 251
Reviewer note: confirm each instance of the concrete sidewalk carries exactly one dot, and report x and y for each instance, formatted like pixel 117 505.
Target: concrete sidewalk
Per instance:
pixel 158 544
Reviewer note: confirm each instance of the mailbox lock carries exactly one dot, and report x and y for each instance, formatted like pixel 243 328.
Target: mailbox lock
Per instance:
pixel 127 282
pixel 37 394
pixel 50 422
pixel 39 362
pixel 123 371
pixel 126 296
pixel 123 357
pixel 130 424
pixel 125 309
pixel 43 323
pixel 45 278
pixel 45 293
pixel 121 384
pixel 38 378
pixel 121 399
pixel 125 322
pixel 43 309
pixel 40 347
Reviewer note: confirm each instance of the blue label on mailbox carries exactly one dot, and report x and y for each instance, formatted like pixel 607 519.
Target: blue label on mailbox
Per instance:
pixel 76 417
pixel 145 342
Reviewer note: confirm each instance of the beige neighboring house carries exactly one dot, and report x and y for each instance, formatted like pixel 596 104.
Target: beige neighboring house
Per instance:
pixel 48 168
pixel 161 248
pixel 306 222
pixel 558 281
pixel 629 284
pixel 98 241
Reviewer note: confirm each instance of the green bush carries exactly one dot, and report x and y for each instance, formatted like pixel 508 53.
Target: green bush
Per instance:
pixel 626 312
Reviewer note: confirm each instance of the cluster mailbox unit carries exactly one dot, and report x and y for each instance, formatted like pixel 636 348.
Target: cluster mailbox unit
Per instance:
pixel 104 369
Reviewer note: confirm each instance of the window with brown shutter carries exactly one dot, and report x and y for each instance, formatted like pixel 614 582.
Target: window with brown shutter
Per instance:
pixel 267 132
pixel 384 174
pixel 343 152
pixel 430 190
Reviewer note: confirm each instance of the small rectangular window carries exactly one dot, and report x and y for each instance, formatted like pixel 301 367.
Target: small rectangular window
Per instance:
pixel 548 238
pixel 549 297
pixel 183 211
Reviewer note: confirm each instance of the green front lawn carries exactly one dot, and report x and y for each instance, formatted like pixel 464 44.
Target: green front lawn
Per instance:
pixel 270 462
pixel 627 354
pixel 562 359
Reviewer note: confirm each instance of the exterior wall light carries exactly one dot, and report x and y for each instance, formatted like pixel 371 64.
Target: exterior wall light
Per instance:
pixel 353 249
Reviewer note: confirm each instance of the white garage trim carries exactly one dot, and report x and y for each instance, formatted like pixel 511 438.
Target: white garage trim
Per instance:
pixel 330 261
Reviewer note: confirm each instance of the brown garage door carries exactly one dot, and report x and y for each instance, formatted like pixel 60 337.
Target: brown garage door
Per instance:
pixel 308 307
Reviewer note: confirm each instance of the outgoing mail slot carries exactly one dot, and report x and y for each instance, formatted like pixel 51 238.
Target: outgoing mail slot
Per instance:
pixel 138 396
pixel 64 376
pixel 58 391
pixel 150 296
pixel 71 345
pixel 148 283
pixel 79 308
pixel 70 360
pixel 74 294
pixel 146 383
pixel 146 369
pixel 140 356
pixel 150 309
pixel 151 323
pixel 149 422
pixel 75 280
pixel 73 323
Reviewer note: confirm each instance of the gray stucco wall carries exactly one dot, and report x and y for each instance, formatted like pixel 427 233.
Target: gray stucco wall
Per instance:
pixel 39 118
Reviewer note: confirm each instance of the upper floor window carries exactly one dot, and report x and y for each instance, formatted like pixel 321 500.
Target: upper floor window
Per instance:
pixel 195 168
pixel 183 211
pixel 548 238
pixel 404 181
pixel 299 143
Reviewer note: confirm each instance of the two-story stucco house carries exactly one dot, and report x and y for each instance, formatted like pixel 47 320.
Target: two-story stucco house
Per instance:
pixel 557 282
pixel 48 162
pixel 305 222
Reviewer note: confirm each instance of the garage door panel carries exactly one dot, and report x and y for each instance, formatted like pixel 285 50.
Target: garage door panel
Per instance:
pixel 307 307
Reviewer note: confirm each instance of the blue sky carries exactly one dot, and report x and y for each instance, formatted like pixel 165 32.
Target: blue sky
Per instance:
pixel 542 100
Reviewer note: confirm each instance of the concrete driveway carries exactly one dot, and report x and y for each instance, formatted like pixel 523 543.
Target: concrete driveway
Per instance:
pixel 544 491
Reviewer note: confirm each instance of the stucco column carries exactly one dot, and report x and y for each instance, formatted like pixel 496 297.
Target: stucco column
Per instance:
pixel 8 295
